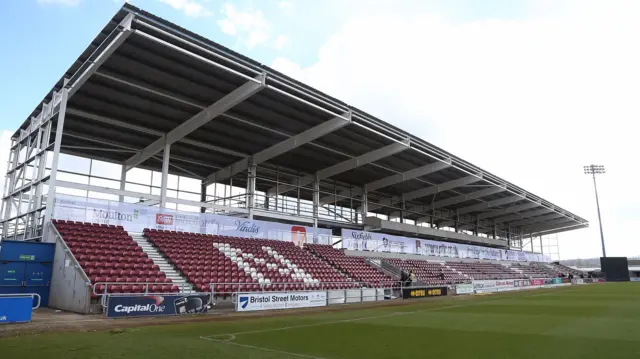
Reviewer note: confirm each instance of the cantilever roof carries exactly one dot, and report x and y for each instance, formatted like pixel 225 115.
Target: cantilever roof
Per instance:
pixel 150 82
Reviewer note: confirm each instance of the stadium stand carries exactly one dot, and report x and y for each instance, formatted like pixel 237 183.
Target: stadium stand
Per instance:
pixel 532 270
pixel 230 262
pixel 431 273
pixel 484 271
pixel 565 270
pixel 356 268
pixel 108 254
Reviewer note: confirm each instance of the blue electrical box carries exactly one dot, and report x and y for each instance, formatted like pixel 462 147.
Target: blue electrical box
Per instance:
pixel 25 267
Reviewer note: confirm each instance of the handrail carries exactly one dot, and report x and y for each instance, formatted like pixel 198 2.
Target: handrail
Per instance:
pixel 321 286
pixel 66 247
pixel 145 284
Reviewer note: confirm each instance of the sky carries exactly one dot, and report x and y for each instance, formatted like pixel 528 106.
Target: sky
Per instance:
pixel 528 90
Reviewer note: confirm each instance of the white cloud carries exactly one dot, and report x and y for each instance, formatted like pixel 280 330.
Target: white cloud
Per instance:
pixel 286 6
pixel 59 2
pixel 189 7
pixel 531 100
pixel 281 41
pixel 5 144
pixel 249 26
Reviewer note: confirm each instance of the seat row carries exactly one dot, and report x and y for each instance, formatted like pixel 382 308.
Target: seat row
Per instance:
pixel 108 254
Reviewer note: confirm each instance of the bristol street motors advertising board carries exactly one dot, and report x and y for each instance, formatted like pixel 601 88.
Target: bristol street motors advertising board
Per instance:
pixel 253 301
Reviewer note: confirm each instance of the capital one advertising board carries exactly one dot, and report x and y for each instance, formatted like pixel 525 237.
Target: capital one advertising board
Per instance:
pixel 248 302
pixel 380 242
pixel 136 218
pixel 156 305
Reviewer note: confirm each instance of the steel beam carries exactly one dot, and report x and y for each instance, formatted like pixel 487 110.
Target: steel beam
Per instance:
pixel 201 118
pixel 483 228
pixel 389 181
pixel 344 166
pixel 149 131
pixel 281 147
pixel 568 226
pixel 123 32
pixel 480 207
pixel 423 192
pixel 519 216
pixel 511 209
pixel 461 198
pixel 491 204
pixel 551 225
pixel 525 222
pixel 541 216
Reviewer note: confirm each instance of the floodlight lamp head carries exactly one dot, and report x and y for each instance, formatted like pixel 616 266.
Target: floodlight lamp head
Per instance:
pixel 594 169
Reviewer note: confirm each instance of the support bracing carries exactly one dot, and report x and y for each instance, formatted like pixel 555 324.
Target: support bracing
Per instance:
pixel 201 118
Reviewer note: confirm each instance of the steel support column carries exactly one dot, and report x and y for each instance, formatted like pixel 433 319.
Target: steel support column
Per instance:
pixel 365 205
pixel 56 156
pixel 316 200
pixel 203 196
pixel 166 157
pixel 123 181
pixel 251 189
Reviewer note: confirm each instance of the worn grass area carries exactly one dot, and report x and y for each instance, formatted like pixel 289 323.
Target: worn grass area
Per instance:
pixel 591 321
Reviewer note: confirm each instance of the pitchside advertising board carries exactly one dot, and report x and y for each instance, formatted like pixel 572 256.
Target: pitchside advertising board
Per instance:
pixel 136 218
pixel 483 286
pixel 480 286
pixel 380 242
pixel 422 292
pixel 464 288
pixel 248 302
pixel 15 309
pixel 156 305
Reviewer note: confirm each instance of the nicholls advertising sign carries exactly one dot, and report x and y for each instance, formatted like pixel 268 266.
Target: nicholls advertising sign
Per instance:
pixel 380 242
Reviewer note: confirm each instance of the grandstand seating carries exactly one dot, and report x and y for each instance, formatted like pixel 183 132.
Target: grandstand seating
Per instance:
pixel 534 270
pixel 356 268
pixel 484 271
pixel 565 270
pixel 231 262
pixel 430 273
pixel 108 254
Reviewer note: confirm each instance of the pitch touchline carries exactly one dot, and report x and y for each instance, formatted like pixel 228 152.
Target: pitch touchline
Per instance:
pixel 233 335
pixel 260 348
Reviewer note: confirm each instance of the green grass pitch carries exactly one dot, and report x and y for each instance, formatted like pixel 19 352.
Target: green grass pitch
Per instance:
pixel 591 321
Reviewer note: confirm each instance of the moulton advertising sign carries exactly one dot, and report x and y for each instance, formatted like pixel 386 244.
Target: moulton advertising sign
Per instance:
pixel 136 218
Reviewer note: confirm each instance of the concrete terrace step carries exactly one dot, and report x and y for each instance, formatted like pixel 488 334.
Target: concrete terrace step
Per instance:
pixel 163 263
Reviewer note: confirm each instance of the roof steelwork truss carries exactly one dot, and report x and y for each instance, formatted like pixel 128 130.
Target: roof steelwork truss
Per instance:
pixel 145 84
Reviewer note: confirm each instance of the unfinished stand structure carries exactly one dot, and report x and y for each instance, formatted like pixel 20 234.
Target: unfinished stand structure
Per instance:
pixel 148 94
